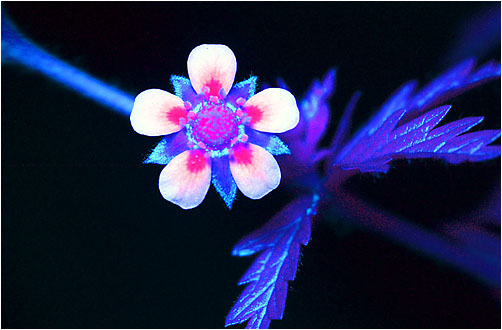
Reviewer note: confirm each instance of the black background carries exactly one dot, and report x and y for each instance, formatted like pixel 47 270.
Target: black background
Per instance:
pixel 88 241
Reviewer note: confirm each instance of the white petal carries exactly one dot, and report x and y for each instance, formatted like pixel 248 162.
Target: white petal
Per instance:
pixel 213 66
pixel 157 112
pixel 186 179
pixel 254 169
pixel 273 110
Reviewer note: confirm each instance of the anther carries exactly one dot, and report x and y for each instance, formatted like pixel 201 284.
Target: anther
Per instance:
pixel 205 90
pixel 213 99
pixel 234 140
pixel 244 138
pixel 191 115
pixel 245 119
pixel 187 105
pixel 190 144
pixel 201 145
pixel 239 113
pixel 222 94
pixel 183 121
pixel 240 101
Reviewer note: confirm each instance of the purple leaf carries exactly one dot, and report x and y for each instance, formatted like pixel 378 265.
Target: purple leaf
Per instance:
pixel 264 297
pixel 315 107
pixel 343 127
pixel 449 84
pixel 314 114
pixel 371 143
pixel 397 101
pixel 418 139
pixel 413 132
pixel 448 80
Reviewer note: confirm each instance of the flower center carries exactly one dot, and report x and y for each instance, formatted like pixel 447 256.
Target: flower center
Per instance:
pixel 214 126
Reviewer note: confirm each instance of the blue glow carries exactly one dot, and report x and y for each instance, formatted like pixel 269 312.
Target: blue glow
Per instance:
pixel 269 142
pixel 244 89
pixel 169 147
pixel 183 89
pixel 17 49
pixel 362 213
pixel 223 181
pixel 279 242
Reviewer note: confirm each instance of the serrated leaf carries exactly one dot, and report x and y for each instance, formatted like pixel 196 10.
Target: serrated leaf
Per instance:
pixel 447 85
pixel 264 297
pixel 418 139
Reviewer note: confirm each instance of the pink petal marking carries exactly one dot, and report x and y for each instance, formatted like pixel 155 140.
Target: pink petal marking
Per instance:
pixel 185 180
pixel 273 110
pixel 254 169
pixel 213 66
pixel 157 112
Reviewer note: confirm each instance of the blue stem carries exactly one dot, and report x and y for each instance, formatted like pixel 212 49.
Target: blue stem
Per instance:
pixel 17 49
pixel 482 266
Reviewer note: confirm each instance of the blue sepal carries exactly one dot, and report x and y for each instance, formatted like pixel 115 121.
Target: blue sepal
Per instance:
pixel 168 148
pixel 183 88
pixel 244 89
pixel 223 180
pixel 269 142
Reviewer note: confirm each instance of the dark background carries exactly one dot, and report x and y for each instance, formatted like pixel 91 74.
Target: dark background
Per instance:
pixel 89 242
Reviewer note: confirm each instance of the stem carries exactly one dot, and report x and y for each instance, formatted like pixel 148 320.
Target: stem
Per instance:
pixel 433 245
pixel 19 50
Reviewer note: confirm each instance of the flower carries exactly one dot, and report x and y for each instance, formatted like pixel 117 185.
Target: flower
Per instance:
pixel 223 131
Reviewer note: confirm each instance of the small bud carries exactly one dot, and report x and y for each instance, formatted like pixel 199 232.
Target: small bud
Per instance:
pixel 205 90
pixel 191 115
pixel 240 101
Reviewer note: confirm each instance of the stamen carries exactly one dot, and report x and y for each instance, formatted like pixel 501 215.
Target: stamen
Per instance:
pixel 201 145
pixel 239 113
pixel 213 99
pixel 245 119
pixel 205 90
pixel 187 105
pixel 190 144
pixel 183 121
pixel 191 115
pixel 234 140
pixel 240 101
pixel 244 138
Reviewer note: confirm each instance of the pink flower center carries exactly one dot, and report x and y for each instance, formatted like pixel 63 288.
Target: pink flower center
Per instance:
pixel 215 126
